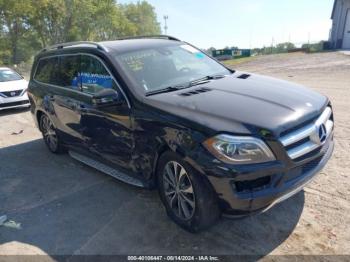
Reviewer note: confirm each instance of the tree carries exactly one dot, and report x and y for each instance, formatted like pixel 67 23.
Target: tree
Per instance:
pixel 279 48
pixel 143 17
pixel 103 21
pixel 13 16
pixel 317 47
pixel 28 25
pixel 283 47
pixel 210 50
pixel 69 20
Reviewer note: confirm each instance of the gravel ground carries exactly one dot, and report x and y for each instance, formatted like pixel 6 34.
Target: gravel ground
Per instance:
pixel 67 208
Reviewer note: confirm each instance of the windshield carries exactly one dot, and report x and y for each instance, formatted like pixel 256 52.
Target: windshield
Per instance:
pixel 8 75
pixel 161 67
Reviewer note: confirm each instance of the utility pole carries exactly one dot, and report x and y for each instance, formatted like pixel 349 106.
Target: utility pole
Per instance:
pixel 250 38
pixel 165 24
pixel 272 44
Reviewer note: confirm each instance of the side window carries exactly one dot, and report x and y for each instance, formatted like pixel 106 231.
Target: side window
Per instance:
pixel 47 71
pixel 69 72
pixel 94 76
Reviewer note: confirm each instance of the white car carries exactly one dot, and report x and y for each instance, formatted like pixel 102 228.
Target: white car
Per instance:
pixel 13 89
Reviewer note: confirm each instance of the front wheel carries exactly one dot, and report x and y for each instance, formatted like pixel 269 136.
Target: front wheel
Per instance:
pixel 187 196
pixel 51 139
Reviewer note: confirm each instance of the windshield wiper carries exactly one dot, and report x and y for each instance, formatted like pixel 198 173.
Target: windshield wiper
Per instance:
pixel 190 84
pixel 205 79
pixel 165 90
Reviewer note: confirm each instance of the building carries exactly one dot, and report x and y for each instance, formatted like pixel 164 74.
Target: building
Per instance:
pixel 340 33
pixel 225 54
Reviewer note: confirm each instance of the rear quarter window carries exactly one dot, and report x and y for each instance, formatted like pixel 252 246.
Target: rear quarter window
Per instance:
pixel 47 71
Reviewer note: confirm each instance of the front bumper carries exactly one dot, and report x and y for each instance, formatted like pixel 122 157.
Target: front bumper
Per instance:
pixel 14 102
pixel 256 188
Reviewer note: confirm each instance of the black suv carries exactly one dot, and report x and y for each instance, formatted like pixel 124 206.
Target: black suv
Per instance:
pixel 158 112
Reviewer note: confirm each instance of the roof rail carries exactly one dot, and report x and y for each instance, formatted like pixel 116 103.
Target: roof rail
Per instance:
pixel 150 36
pixel 71 44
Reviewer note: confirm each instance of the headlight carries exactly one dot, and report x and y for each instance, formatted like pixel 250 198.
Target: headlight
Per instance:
pixel 239 149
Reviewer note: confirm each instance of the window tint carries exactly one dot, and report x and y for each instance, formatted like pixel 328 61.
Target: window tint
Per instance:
pixel 47 71
pixel 94 76
pixel 69 72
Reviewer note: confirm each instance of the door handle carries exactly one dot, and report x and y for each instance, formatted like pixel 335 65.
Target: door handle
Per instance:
pixel 82 108
pixel 71 104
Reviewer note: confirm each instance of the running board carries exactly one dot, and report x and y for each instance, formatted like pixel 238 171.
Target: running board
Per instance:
pixel 106 169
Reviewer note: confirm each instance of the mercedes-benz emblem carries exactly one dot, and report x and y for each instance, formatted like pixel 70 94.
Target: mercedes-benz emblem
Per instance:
pixel 13 93
pixel 322 133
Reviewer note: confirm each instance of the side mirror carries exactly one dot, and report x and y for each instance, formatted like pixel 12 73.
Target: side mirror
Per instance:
pixel 107 97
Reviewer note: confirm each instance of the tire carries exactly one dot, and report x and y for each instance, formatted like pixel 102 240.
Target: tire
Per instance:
pixel 199 209
pixel 50 136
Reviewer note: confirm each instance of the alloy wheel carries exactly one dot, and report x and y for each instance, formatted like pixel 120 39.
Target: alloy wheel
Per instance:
pixel 49 133
pixel 178 190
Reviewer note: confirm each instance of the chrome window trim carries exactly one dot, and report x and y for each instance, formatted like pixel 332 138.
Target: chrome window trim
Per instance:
pixel 77 91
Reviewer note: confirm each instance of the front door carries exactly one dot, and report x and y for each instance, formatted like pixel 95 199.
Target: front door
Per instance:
pixel 346 39
pixel 107 129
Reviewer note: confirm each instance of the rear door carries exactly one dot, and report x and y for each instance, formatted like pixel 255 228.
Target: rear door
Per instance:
pixel 66 102
pixel 59 76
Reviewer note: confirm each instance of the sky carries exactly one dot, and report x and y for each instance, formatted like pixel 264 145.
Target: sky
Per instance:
pixel 244 23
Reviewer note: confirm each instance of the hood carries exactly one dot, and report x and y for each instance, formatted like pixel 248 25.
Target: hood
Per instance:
pixel 13 85
pixel 243 104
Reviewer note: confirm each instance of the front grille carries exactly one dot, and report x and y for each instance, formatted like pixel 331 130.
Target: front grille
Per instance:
pixel 11 93
pixel 301 170
pixel 308 138
pixel 14 103
pixel 312 164
pixel 290 130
